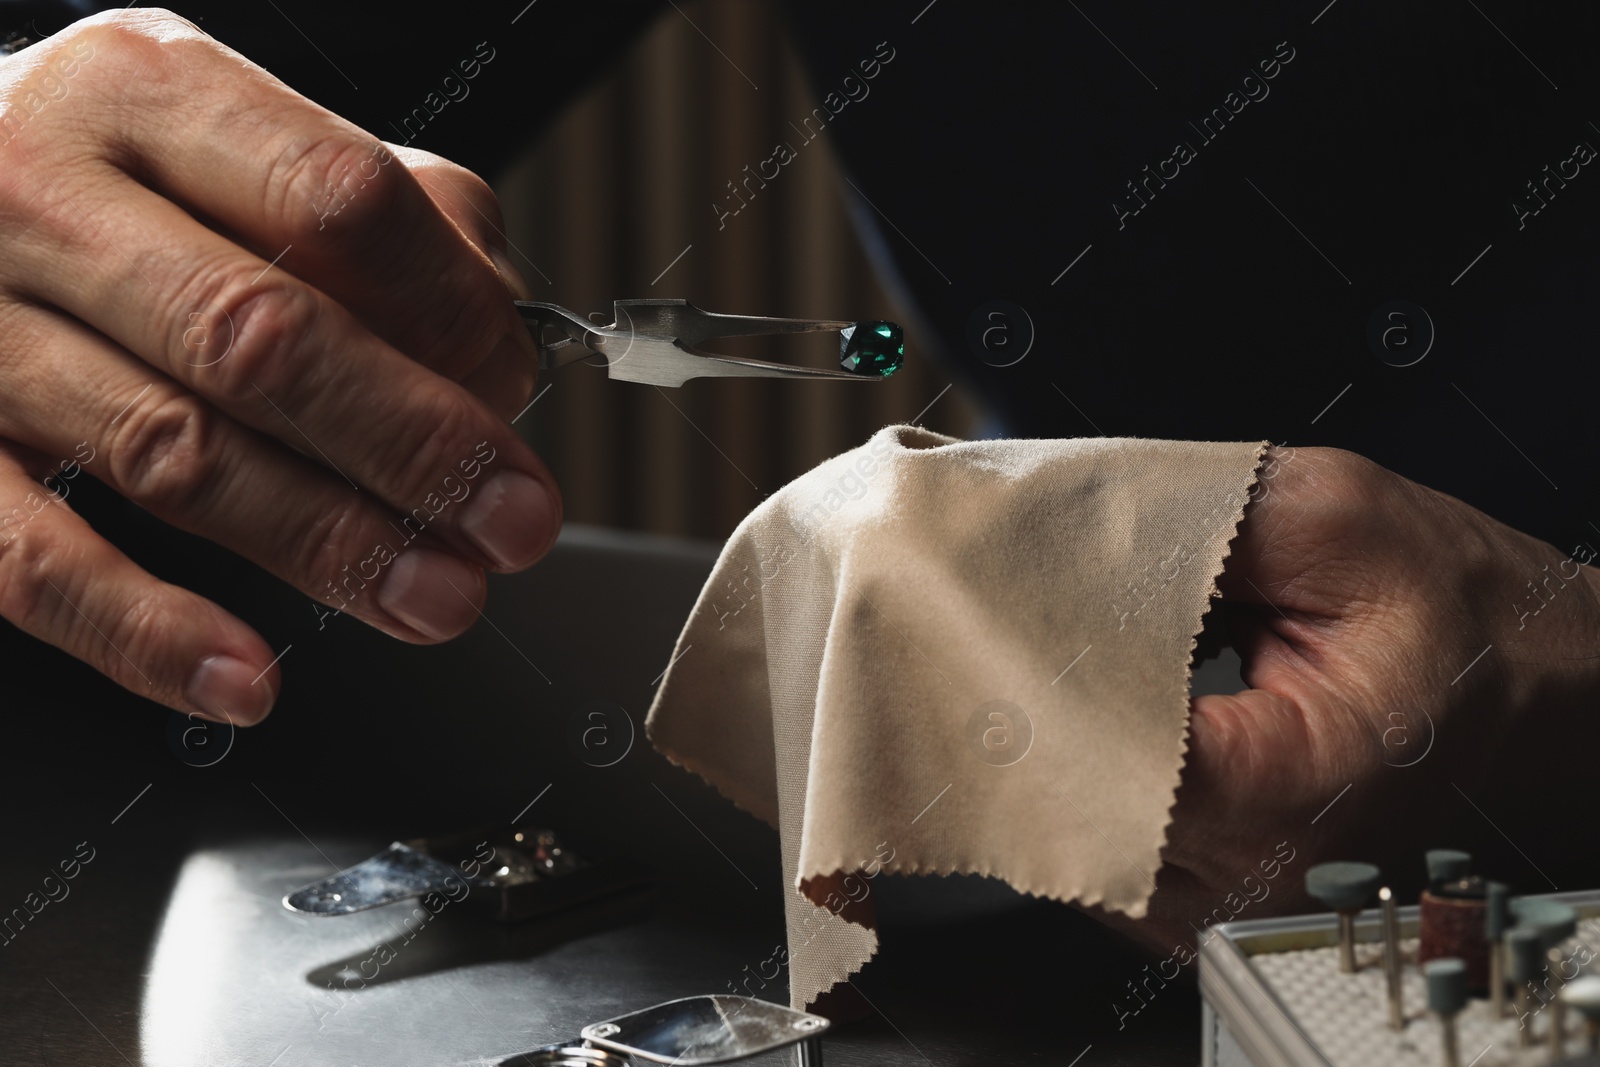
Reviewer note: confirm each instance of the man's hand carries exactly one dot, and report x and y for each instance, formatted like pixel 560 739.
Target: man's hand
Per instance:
pixel 262 325
pixel 1419 676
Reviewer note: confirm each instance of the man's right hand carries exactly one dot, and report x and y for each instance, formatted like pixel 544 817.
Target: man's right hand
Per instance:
pixel 262 325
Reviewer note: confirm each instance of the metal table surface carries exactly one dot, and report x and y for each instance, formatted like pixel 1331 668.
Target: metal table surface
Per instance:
pixel 170 946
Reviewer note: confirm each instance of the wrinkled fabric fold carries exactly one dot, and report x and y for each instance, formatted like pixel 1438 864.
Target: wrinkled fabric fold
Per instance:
pixel 936 656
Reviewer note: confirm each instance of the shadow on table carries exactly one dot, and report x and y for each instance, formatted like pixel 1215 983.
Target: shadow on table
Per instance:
pixel 465 940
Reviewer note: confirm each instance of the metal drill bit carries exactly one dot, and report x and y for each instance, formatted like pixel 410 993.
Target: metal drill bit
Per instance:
pixel 1391 958
pixel 1526 953
pixel 1497 916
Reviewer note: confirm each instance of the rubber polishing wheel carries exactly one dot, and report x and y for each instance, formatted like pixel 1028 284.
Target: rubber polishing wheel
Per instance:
pixel 1554 922
pixel 1447 985
pixel 1343 886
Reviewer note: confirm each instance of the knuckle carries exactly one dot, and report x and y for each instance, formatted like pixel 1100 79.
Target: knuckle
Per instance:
pixel 459 183
pixel 141 22
pixel 135 40
pixel 35 81
pixel 164 454
pixel 331 177
pixel 253 332
pixel 475 189
pixel 454 424
pixel 146 631
pixel 1357 483
pixel 120 48
pixel 118 31
pixel 38 595
pixel 145 642
pixel 459 192
pixel 320 545
pixel 28 555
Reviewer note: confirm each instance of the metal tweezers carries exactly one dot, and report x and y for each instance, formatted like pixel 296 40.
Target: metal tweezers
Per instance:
pixel 652 342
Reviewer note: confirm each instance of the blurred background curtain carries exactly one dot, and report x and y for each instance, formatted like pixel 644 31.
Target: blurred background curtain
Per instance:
pixel 598 210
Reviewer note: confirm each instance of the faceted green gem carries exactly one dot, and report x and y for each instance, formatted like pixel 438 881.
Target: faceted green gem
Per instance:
pixel 872 348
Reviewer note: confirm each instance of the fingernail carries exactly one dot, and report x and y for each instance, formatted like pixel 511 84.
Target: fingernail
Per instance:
pixel 224 689
pixel 515 283
pixel 432 592
pixel 512 519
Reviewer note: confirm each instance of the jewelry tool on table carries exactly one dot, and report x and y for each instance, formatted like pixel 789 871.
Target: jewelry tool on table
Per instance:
pixel 510 873
pixel 653 342
pixel 688 1032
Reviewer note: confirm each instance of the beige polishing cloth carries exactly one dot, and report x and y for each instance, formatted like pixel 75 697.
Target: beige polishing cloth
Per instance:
pixel 936 656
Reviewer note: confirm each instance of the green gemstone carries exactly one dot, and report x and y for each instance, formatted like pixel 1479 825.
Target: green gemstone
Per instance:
pixel 872 348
